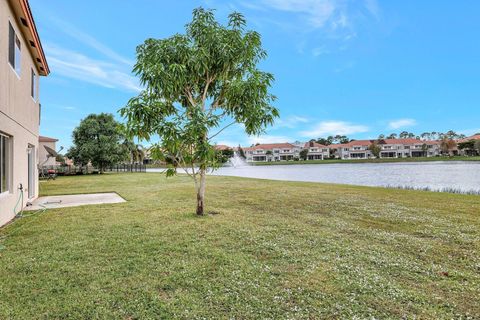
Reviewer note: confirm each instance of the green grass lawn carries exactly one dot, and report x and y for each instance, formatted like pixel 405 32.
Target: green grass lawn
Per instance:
pixel 272 250
pixel 382 160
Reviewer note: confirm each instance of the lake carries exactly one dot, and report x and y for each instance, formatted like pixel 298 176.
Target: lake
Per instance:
pixel 439 175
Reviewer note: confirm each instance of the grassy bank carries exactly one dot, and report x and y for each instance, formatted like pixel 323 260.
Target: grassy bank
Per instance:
pixel 384 160
pixel 272 249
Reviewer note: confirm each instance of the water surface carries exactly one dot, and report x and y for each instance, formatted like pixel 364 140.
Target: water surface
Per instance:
pixel 438 175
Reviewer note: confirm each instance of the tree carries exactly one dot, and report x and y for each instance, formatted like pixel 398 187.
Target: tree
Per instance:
pixel 470 145
pixel 426 136
pixel 451 134
pixel 326 142
pixel 341 139
pixel 135 152
pixel 304 154
pixel 241 152
pixel 392 136
pixel 477 146
pixel 224 155
pixel 381 136
pixel 403 135
pixel 194 82
pixel 447 145
pixel 425 149
pixel 375 149
pixel 97 140
pixel 60 158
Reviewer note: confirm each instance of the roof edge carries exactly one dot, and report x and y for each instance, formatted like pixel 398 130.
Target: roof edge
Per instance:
pixel 34 33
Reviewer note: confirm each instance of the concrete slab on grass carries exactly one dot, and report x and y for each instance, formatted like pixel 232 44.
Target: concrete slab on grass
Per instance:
pixel 74 200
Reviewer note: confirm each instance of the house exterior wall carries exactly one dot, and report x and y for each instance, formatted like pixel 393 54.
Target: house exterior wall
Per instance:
pixel 19 114
pixel 43 160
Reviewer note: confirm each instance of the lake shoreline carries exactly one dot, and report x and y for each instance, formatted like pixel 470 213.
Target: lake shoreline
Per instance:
pixel 384 160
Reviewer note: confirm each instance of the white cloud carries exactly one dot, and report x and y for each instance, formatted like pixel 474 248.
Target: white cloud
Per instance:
pixel 290 122
pixel 317 12
pixel 90 41
pixel 318 51
pixel 401 123
pixel 77 66
pixel 469 132
pixel 326 128
pixel 373 8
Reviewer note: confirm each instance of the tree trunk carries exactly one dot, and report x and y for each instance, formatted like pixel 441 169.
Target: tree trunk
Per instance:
pixel 201 193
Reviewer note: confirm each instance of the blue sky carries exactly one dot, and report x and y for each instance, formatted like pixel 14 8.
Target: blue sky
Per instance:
pixel 358 68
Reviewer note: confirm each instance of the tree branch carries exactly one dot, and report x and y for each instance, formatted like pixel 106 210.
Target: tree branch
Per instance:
pixel 216 134
pixel 189 96
pixel 205 90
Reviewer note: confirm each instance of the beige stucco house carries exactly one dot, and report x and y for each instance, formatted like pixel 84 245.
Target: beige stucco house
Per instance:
pixel 22 61
pixel 44 158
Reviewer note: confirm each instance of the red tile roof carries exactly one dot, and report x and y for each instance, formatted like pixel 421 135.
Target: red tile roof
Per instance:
pixel 313 144
pixel 269 146
pixel 222 147
pixel 474 137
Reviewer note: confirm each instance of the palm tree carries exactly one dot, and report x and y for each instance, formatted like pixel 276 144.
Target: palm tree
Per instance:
pixel 135 152
pixel 425 149
pixel 447 145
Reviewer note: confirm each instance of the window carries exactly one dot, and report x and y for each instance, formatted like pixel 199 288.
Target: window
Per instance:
pixel 14 46
pixel 33 84
pixel 4 163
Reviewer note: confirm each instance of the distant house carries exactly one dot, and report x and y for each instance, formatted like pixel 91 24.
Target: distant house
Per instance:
pixel 316 151
pixel 22 61
pixel 272 152
pixel 389 148
pixel 469 151
pixel 222 147
pixel 44 158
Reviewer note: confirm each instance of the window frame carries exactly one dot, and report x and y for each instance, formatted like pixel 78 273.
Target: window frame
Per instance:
pixel 5 148
pixel 14 50
pixel 34 85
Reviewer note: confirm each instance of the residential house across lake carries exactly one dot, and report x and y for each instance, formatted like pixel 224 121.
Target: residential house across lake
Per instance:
pixel 356 149
pixel 389 148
